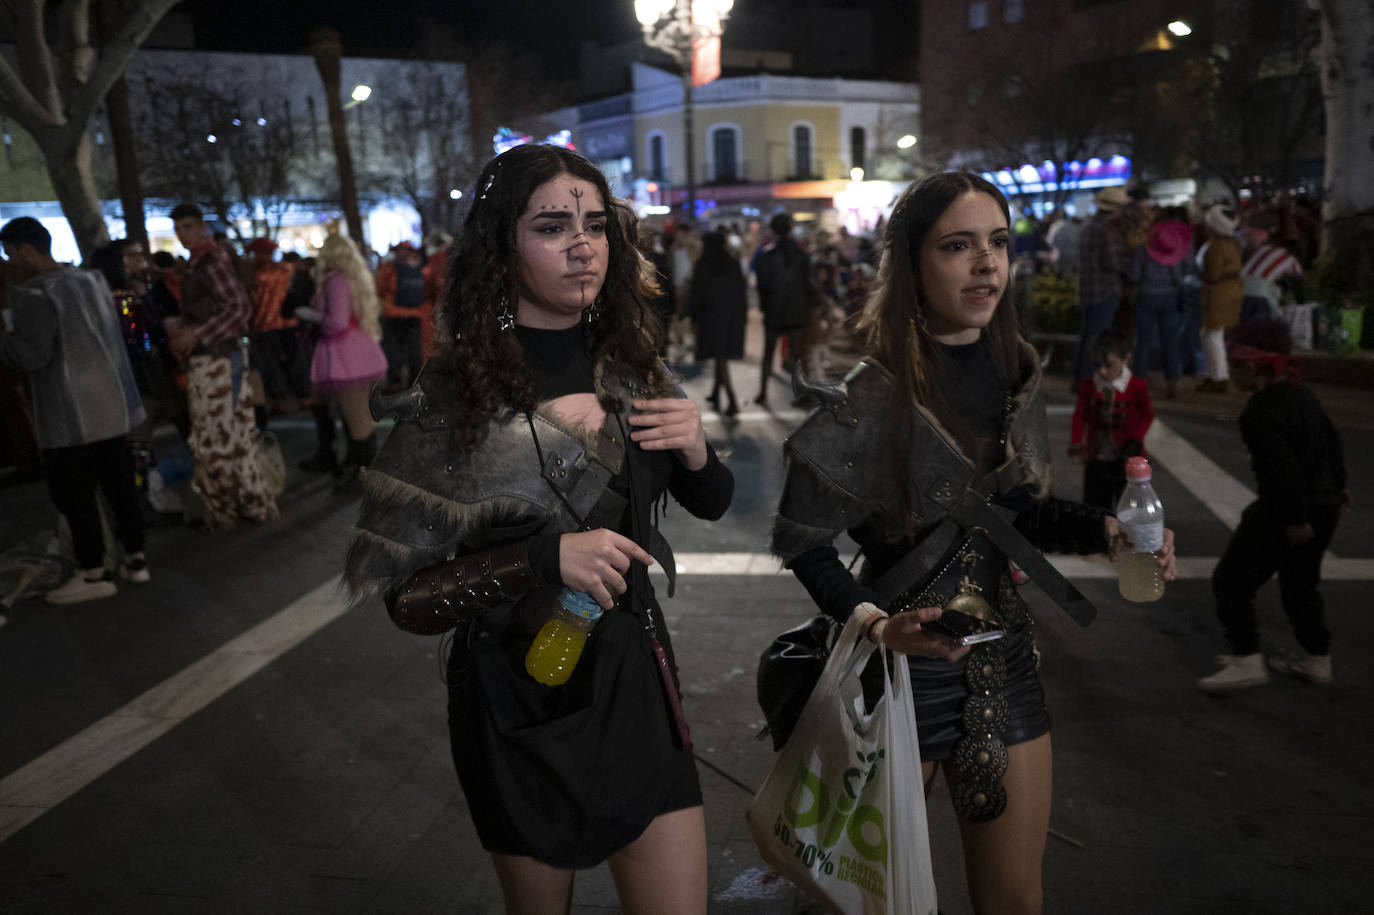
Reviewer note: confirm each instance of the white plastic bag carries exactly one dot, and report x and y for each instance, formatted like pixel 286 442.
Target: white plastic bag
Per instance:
pixel 843 814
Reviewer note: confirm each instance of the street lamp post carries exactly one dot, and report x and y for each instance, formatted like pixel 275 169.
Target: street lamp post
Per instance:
pixel 668 26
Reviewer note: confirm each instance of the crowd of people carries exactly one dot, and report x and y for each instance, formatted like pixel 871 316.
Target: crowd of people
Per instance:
pixel 213 344
pixel 539 430
pixel 1174 278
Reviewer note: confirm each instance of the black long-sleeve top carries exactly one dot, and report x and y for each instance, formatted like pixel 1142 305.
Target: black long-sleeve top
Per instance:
pixel 1295 451
pixel 1051 524
pixel 560 365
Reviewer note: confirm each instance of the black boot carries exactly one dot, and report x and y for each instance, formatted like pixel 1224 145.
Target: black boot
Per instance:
pixel 360 453
pixel 323 459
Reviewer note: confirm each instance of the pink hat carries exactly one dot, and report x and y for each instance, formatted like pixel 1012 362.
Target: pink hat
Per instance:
pixel 1168 242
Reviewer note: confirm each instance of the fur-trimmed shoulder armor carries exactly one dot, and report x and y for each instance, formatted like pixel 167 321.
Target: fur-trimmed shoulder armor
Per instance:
pixel 840 467
pixel 424 498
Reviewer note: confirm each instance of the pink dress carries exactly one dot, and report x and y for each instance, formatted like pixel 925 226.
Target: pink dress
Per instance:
pixel 345 356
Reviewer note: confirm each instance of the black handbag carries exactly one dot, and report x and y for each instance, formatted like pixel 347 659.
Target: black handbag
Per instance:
pixel 789 669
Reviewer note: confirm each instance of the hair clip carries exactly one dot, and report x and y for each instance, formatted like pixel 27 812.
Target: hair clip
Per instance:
pixel 491 179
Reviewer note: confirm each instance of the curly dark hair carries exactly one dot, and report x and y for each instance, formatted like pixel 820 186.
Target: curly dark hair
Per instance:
pixel 483 273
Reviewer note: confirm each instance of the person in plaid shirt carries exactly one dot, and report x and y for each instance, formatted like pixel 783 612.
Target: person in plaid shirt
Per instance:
pixel 208 340
pixel 1102 264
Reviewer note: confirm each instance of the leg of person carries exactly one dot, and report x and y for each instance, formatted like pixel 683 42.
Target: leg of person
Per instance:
pixel 414 350
pixel 532 887
pixel 71 475
pixel 1251 558
pixel 1114 476
pixel 1097 484
pixel 1169 321
pixel 324 457
pixel 253 498
pixel 1142 328
pixel 1003 857
pixel 210 398
pixel 361 443
pixel 798 349
pixel 1299 581
pixel 770 341
pixel 663 872
pixel 1096 318
pixel 1214 352
pixel 723 369
pixel 115 467
pixel 266 355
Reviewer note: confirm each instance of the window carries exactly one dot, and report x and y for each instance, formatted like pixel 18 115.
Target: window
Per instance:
pixel 656 157
pixel 725 153
pixel 857 140
pixel 1013 10
pixel 977 15
pixel 801 150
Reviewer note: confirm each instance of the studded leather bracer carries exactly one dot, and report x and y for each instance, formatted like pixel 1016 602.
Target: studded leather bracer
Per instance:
pixel 440 597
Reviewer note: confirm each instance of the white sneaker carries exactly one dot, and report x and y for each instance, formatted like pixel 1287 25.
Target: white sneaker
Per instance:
pixel 84 585
pixel 1237 672
pixel 134 568
pixel 1314 668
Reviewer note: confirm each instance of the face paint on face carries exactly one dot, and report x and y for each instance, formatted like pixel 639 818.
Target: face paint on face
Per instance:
pixel 964 268
pixel 562 251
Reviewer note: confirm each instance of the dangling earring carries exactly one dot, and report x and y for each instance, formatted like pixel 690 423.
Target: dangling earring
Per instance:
pixel 505 317
pixel 593 311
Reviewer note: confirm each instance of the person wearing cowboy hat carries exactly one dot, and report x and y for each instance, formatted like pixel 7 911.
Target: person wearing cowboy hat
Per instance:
pixel 1102 265
pixel 1222 293
pixel 1160 271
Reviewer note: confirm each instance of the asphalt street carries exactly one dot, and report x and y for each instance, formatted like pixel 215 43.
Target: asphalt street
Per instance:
pixel 232 738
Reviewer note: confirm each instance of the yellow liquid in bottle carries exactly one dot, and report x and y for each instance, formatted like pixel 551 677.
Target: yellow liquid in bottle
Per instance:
pixel 1139 579
pixel 554 653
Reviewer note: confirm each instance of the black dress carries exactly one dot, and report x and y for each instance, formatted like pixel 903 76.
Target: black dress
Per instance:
pixel 569 775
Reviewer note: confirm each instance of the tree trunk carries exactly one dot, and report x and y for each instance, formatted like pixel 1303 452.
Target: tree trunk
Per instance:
pixel 69 169
pixel 325 44
pixel 1347 73
pixel 126 161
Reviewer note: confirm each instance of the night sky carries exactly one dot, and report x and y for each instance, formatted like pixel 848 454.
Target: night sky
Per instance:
pixel 551 29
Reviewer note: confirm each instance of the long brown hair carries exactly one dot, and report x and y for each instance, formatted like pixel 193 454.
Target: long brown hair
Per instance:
pixel 483 270
pixel 893 322
pixel 892 326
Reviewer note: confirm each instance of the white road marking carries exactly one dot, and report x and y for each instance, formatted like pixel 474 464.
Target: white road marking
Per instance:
pixel 34 789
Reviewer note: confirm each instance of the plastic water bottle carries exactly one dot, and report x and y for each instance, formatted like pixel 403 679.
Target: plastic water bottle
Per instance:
pixel 557 647
pixel 1141 518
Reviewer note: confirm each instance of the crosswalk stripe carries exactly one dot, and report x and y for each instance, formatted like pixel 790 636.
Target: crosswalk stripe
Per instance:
pixel 37 787
pixel 1189 567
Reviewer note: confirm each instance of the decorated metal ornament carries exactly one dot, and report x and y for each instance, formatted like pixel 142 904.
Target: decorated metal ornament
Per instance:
pixel 969 598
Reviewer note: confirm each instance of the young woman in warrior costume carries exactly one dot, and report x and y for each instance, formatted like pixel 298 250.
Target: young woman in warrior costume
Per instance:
pixel 948 409
pixel 527 458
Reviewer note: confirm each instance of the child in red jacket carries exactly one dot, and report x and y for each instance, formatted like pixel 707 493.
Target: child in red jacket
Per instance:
pixel 1113 413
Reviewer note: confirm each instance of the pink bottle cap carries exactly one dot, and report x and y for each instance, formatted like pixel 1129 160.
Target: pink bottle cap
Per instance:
pixel 1137 468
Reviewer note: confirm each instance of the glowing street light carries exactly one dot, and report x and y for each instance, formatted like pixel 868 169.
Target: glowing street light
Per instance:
pixel 671 27
pixel 455 194
pixel 1180 28
pixel 361 93
pixel 856 173
pixel 906 142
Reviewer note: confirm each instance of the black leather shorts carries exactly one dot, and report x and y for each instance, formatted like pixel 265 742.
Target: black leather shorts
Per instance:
pixel 941 688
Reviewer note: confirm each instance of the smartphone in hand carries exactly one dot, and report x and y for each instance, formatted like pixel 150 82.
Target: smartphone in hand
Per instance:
pixel 961 629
